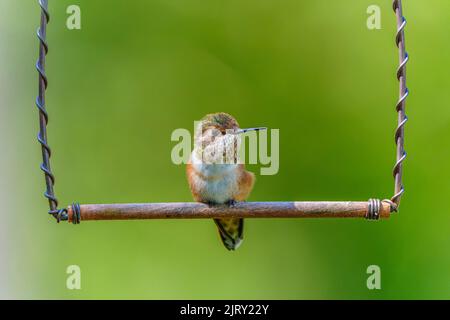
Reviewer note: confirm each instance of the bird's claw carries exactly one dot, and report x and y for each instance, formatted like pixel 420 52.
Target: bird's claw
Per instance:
pixel 231 203
pixel 210 203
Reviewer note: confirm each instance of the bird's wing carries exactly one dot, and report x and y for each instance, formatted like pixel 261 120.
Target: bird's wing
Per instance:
pixel 191 176
pixel 246 182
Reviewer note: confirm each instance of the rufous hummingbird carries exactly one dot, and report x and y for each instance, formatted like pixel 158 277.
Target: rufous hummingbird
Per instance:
pixel 214 173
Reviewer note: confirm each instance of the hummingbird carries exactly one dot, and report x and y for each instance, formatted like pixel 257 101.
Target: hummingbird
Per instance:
pixel 215 175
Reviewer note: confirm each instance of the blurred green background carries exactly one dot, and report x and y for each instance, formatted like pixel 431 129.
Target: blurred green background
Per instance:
pixel 139 69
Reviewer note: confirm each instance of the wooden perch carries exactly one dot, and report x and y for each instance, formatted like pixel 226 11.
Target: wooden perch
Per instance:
pixel 192 210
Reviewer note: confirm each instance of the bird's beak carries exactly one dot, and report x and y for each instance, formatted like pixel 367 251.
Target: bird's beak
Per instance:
pixel 239 131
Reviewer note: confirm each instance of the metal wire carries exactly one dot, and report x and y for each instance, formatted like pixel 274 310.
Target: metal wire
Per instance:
pixel 374 205
pixel 59 214
pixel 400 107
pixel 76 217
pixel 373 209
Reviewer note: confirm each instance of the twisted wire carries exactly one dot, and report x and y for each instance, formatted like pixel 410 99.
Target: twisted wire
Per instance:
pixel 373 209
pixel 59 214
pixel 76 213
pixel 400 107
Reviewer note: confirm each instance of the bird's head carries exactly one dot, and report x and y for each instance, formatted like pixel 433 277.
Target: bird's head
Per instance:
pixel 215 125
pixel 217 138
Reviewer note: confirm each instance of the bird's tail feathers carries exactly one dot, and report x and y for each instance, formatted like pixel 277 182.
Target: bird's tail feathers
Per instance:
pixel 231 231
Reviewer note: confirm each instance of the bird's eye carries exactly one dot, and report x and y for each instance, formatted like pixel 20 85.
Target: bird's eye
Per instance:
pixel 223 133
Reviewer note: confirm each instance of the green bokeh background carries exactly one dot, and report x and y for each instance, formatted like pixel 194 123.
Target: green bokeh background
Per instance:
pixel 139 69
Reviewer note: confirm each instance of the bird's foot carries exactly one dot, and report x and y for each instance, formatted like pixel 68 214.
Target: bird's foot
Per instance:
pixel 231 203
pixel 210 203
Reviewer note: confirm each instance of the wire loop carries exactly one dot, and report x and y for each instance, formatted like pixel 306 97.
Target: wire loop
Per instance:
pixel 392 205
pixel 373 209
pixel 76 213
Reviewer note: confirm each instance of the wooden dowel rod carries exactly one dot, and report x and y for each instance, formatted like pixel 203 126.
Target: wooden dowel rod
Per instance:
pixel 192 210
